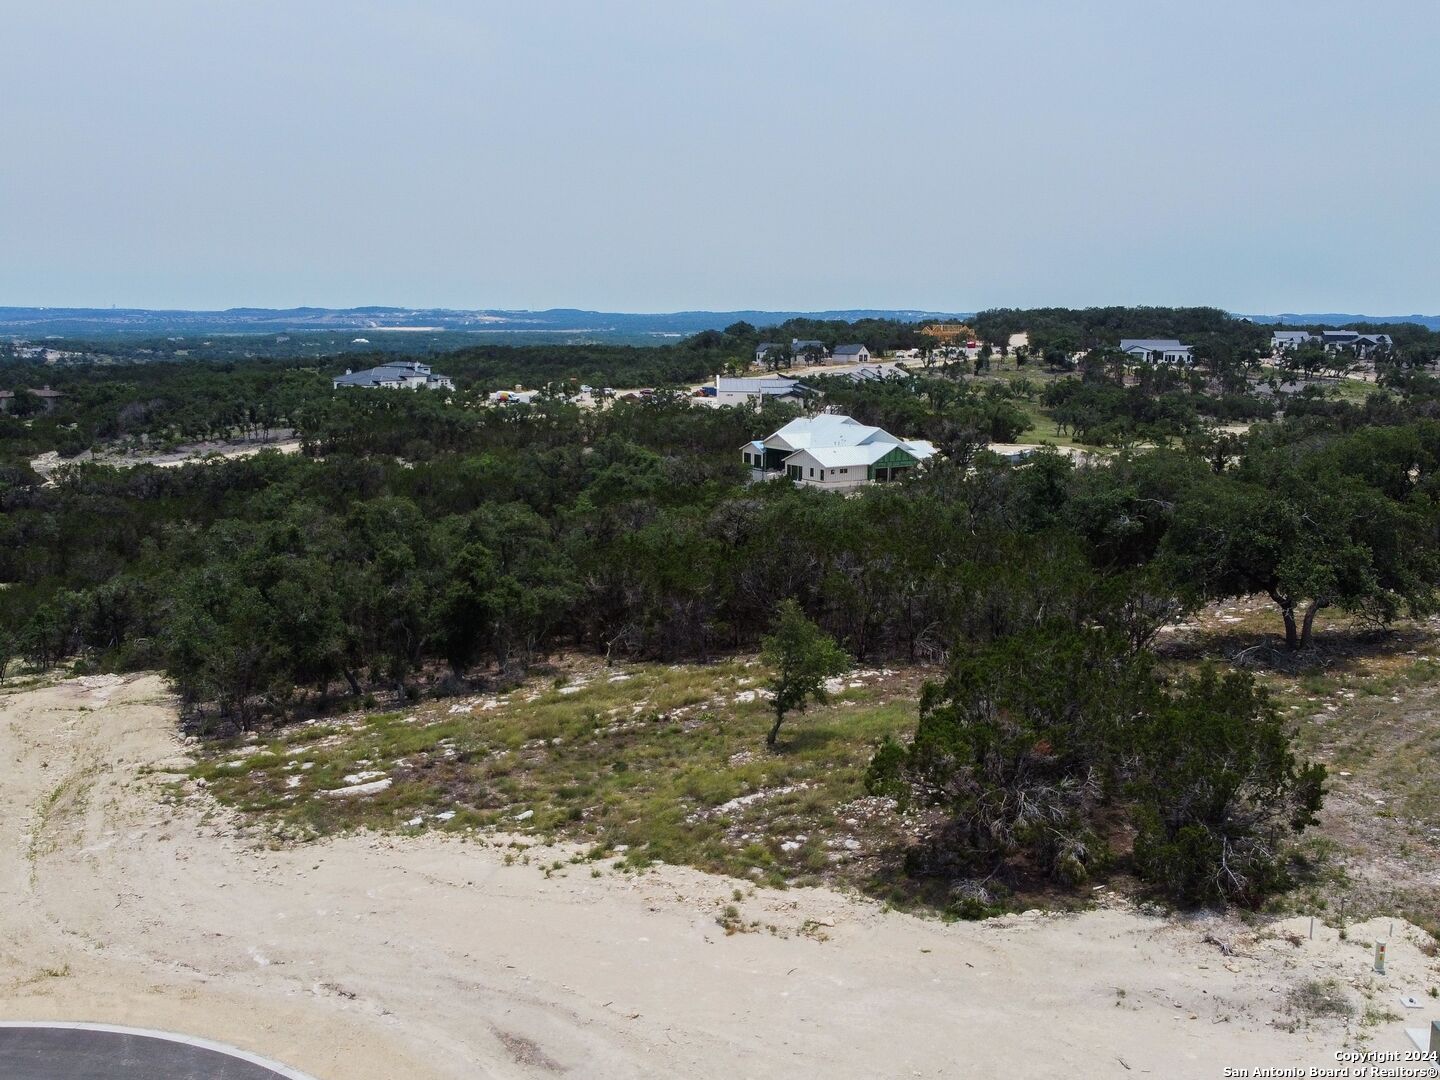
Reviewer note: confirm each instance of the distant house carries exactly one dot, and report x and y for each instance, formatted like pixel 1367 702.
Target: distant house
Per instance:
pixel 872 373
pixel 1360 344
pixel 764 348
pixel 774 387
pixel 852 354
pixel 833 453
pixel 1282 341
pixel 402 375
pixel 1157 350
pixel 808 350
pixel 947 333
pixel 1286 340
pixel 46 396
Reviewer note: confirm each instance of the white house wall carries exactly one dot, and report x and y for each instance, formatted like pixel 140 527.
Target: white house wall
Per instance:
pixel 827 477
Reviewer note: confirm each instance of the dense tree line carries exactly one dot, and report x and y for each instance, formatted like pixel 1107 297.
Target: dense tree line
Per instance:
pixel 628 529
pixel 189 399
pixel 1160 406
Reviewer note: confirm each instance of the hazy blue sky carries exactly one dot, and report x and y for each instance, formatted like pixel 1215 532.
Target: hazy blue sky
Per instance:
pixel 1264 156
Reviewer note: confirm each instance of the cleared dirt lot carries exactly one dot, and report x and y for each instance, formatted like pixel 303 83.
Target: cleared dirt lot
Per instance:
pixel 129 900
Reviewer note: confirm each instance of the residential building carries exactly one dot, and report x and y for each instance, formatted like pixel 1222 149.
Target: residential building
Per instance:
pixel 1361 344
pixel 873 373
pixel 763 348
pixel 1286 340
pixel 1157 350
pixel 808 350
pixel 46 396
pixel 833 453
pixel 401 375
pixel 948 333
pixel 852 354
pixel 730 391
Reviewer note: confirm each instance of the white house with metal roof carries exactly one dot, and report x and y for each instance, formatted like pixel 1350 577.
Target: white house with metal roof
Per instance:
pixel 851 354
pixel 1157 350
pixel 401 375
pixel 833 453
pixel 730 391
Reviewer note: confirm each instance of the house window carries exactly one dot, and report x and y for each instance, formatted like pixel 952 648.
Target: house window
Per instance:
pixel 822 474
pixel 747 459
pixel 812 471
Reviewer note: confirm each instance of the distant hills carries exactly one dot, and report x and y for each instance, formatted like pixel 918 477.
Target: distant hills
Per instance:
pixel 554 324
pixel 1430 322
pixel 450 328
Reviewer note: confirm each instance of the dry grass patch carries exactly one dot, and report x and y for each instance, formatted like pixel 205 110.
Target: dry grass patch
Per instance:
pixel 1367 705
pixel 651 762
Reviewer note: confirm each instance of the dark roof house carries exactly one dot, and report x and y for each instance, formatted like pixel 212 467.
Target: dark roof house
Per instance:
pixel 47 397
pixel 403 375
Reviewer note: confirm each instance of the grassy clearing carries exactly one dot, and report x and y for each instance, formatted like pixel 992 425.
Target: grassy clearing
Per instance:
pixel 668 763
pixel 652 762
pixel 1043 428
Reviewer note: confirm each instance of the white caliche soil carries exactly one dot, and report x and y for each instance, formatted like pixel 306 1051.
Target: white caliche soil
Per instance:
pixel 370 958
pixel 46 464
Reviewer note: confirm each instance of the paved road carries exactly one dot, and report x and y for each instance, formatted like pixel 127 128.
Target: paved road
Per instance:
pixel 74 1053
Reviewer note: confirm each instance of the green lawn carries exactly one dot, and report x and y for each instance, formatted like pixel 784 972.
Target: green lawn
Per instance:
pixel 1043 428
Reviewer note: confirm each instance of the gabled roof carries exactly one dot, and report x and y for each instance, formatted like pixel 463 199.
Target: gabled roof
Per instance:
pixel 808 432
pixel 837 442
pixel 1153 345
pixel 394 372
pixel 768 386
pixel 850 350
pixel 806 343
pixel 870 373
pixel 840 457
